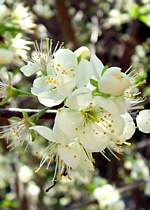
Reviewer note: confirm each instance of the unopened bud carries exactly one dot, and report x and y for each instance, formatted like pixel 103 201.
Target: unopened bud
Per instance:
pixel 82 52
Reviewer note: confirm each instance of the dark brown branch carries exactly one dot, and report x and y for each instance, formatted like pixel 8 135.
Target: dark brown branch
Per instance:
pixel 65 21
pixel 11 112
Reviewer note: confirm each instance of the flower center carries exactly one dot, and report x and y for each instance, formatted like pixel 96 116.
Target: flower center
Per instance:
pixel 90 114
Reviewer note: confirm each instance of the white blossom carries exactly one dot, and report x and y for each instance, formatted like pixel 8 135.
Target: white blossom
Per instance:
pixel 83 115
pixel 64 74
pixel 69 154
pixel 107 195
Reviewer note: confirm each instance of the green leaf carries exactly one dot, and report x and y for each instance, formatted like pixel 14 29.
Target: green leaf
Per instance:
pixel 145 19
pixel 134 11
pixel 4 28
pixel 94 82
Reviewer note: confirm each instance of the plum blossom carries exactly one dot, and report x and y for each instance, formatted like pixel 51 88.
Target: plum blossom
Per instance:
pixel 71 155
pixel 40 59
pixel 64 74
pixel 85 119
pixel 108 198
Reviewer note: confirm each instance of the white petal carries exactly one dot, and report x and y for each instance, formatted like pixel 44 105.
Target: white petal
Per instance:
pixel 121 104
pixel 129 130
pixel 112 124
pixel 97 66
pixel 74 156
pixel 66 59
pixel 93 138
pixel 50 98
pixel 49 67
pixel 61 137
pixel 69 122
pixel 30 69
pixel 143 121
pixel 65 85
pixel 83 73
pixel 46 132
pixel 69 155
pixel 40 86
pixel 79 99
pixel 107 104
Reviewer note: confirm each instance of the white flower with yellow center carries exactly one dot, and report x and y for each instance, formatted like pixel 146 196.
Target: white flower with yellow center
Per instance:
pixel 86 120
pixel 64 74
pixel 71 154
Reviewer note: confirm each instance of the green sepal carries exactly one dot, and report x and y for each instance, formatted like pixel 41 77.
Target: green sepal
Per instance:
pixel 100 94
pixel 94 82
pixel 15 118
pixel 33 135
pixel 4 101
pixel 79 58
pixel 104 69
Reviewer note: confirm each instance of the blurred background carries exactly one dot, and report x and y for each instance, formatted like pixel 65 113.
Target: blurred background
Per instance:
pixel 118 32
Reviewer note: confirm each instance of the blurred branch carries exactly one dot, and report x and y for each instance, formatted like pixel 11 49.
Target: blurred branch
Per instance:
pixel 132 187
pixel 65 21
pixel 130 44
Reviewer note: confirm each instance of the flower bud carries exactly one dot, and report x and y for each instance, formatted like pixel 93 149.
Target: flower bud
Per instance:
pixel 113 82
pixel 82 52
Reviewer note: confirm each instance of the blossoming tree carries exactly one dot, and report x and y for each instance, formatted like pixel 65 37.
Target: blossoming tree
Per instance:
pixel 82 107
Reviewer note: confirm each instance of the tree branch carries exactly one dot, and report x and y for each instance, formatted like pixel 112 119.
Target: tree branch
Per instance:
pixel 17 112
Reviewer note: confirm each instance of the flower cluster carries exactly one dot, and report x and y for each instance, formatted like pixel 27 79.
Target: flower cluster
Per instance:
pixel 15 22
pixel 95 103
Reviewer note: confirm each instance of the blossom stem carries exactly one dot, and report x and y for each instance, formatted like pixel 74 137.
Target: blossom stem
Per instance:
pixel 36 116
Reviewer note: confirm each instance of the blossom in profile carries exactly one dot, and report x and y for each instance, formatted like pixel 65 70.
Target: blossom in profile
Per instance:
pixel 143 121
pixel 20 46
pixel 17 132
pixel 40 59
